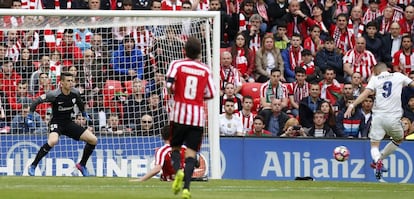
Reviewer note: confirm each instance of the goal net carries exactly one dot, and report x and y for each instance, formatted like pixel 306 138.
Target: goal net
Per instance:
pixel 119 59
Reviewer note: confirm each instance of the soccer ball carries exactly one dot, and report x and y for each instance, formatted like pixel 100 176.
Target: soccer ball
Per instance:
pixel 341 153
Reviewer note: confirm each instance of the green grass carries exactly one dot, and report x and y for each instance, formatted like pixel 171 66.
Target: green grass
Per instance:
pixel 121 188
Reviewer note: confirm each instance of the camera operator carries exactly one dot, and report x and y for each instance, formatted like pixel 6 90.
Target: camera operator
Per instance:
pixel 293 129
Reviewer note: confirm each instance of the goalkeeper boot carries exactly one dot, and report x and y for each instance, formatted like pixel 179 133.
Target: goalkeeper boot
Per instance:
pixel 178 181
pixel 32 170
pixel 378 169
pixel 374 166
pixel 186 194
pixel 83 170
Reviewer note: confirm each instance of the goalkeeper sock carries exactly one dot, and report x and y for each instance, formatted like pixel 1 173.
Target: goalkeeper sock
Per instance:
pixel 176 160
pixel 41 153
pixel 389 148
pixel 188 171
pixel 87 151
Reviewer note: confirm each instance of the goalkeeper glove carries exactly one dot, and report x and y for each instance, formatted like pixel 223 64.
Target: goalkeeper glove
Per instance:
pixel 86 116
pixel 29 120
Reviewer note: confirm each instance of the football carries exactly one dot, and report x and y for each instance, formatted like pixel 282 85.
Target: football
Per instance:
pixel 341 153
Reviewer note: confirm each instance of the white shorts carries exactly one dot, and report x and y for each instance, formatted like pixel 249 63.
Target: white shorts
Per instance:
pixel 383 124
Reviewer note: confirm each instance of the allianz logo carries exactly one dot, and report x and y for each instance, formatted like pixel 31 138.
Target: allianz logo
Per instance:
pixel 292 164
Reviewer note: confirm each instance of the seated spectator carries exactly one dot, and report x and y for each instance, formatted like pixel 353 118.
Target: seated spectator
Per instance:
pixel 292 128
pixel 230 124
pixel 8 77
pixel 243 58
pixel 366 112
pixel 330 114
pixel 275 119
pixel 25 67
pixel 281 39
pixel 134 105
pixel 313 43
pixel 402 58
pixel 359 60
pixel 68 49
pixel 19 124
pixel 409 110
pixel 292 57
pixel 320 128
pixel 100 51
pixel 44 67
pixel 273 89
pixel 347 93
pixel 298 90
pixel 229 94
pixel 309 105
pixel 313 73
pixel 267 58
pixel 127 61
pixel 407 126
pixel 373 40
pixel 114 127
pixel 349 127
pixel 228 73
pixel 358 87
pixel 328 57
pixel 146 127
pixel 157 111
pixel 20 97
pixel 246 115
pixel 258 128
pixel 330 87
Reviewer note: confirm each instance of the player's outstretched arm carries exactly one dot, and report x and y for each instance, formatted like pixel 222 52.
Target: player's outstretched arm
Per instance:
pixel 36 102
pixel 367 92
pixel 154 171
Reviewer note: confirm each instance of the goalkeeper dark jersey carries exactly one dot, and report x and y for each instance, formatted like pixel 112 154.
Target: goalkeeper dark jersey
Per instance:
pixel 62 105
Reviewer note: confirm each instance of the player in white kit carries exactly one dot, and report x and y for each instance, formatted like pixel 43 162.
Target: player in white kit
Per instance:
pixel 387 112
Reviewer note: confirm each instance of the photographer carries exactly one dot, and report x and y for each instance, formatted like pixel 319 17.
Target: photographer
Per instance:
pixel 293 129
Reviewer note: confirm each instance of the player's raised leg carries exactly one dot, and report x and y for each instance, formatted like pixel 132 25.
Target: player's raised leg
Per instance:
pixel 43 151
pixel 91 142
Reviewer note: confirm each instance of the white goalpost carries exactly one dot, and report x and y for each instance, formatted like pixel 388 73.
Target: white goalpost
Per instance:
pixel 119 59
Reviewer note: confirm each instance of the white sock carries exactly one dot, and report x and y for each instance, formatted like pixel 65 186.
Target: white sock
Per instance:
pixel 389 149
pixel 375 154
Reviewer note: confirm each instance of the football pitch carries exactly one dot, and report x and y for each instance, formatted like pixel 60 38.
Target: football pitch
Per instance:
pixel 120 188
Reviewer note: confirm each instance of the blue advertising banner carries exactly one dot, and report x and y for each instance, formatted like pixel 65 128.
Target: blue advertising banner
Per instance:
pixel 241 158
pixel 285 159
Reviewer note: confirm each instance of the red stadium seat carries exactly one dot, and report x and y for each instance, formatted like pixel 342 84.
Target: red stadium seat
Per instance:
pixel 252 89
pixel 112 88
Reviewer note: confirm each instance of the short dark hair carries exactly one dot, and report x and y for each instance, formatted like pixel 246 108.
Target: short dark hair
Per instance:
pixel 247 97
pixel 275 70
pixel 259 117
pixel 229 100
pixel 192 48
pixel 329 39
pixel 64 75
pixel 306 52
pixel 299 69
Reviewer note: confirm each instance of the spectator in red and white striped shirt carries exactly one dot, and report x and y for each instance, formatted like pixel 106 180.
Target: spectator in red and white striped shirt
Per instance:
pixel 372 12
pixel 14 45
pixel 403 60
pixel 298 90
pixel 359 60
pixel 246 114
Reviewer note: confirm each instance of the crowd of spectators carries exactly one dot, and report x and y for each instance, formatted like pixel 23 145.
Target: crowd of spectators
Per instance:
pixel 307 60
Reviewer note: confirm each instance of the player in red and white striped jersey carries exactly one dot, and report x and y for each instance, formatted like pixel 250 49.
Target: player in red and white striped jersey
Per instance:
pixel 163 160
pixel 191 83
pixel 403 60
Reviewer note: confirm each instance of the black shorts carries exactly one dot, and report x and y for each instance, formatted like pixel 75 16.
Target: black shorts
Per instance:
pixel 68 128
pixel 190 136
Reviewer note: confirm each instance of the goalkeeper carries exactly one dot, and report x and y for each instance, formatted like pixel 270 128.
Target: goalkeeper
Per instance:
pixel 63 100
